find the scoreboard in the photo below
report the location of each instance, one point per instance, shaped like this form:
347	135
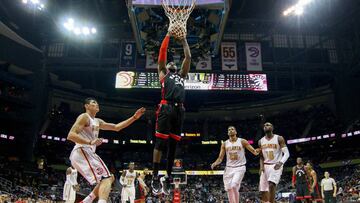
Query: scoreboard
195	81
158	2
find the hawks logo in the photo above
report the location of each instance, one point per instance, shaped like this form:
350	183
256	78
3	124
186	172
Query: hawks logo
254	51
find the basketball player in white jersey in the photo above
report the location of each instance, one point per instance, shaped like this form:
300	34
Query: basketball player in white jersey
84	133
235	169
70	186
127	180
274	154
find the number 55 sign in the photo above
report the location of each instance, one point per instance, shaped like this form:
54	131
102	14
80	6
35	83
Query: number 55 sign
128	55
229	56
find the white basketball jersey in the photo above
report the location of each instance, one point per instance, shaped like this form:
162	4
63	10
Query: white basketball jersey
72	177
271	150
91	132
130	178
235	154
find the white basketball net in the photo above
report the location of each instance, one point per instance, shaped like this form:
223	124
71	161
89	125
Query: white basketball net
178	12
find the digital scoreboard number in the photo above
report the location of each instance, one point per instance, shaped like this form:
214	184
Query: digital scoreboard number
195	81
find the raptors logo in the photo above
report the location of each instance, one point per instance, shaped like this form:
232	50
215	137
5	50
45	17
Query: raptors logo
258	82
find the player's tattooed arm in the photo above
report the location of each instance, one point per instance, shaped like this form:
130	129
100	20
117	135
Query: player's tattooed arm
281	141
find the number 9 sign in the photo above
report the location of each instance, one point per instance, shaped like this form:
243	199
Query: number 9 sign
128	55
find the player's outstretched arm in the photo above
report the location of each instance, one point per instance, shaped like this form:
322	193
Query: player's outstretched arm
248	146
78	126
163	56
185	67
117	127
220	158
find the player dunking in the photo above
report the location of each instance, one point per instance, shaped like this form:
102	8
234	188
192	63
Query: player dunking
235	169
274	154
127	181
170	114
70	186
84	133
300	181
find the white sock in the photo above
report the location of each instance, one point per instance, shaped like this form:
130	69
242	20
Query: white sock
102	201
90	198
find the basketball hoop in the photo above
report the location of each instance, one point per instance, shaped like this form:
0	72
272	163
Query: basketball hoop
178	12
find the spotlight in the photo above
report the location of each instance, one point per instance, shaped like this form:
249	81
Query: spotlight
34	4
67	26
80	30
70	20
85	31
77	31
304	2
299	10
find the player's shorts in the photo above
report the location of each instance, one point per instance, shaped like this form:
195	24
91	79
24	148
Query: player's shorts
269	174
302	191
169	120
139	194
69	194
315	195
233	176
89	165
128	193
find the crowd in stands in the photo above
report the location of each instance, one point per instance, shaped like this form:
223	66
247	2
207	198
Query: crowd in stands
24	183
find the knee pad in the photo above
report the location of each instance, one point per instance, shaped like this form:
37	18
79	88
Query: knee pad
160	144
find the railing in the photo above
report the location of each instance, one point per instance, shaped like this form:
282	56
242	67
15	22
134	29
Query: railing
5	184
